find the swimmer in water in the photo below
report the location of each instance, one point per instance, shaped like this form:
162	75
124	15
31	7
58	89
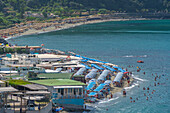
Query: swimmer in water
154	84
143	88
146	98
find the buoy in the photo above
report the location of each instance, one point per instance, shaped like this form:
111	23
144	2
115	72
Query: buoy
140	61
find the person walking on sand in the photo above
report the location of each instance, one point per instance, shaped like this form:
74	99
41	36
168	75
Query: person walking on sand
128	82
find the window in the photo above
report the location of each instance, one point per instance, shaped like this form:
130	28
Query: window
62	91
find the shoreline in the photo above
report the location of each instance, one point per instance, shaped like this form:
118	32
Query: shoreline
65	26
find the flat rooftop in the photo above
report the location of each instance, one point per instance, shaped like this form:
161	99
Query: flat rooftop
24	47
18	82
48	56
7	89
58	82
56	75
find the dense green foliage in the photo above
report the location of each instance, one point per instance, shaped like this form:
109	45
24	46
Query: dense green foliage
12	11
18	82
12	50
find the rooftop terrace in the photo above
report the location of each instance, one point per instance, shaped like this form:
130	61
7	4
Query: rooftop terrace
56	75
18	82
57	82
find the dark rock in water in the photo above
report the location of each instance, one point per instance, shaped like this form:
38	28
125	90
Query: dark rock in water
3	41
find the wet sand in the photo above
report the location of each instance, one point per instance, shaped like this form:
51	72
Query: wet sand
65	26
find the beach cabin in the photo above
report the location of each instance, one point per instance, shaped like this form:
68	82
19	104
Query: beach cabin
118	79
91	74
80	75
104	76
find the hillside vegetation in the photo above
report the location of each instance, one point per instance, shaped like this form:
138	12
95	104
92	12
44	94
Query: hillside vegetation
16	11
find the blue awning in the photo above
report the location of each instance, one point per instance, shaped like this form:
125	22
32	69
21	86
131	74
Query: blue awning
97	67
87	67
77	55
80	71
107	67
118	77
58	109
92	73
100	87
93	59
116	67
84	60
120	69
91	85
92	94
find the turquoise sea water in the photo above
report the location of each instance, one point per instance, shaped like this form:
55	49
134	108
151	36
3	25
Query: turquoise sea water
122	43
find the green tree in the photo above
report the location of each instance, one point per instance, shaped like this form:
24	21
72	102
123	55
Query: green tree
1	21
44	13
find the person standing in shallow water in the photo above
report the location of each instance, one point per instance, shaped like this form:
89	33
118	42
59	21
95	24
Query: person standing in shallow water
124	92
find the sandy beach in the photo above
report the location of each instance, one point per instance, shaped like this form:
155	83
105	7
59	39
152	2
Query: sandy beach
64	26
